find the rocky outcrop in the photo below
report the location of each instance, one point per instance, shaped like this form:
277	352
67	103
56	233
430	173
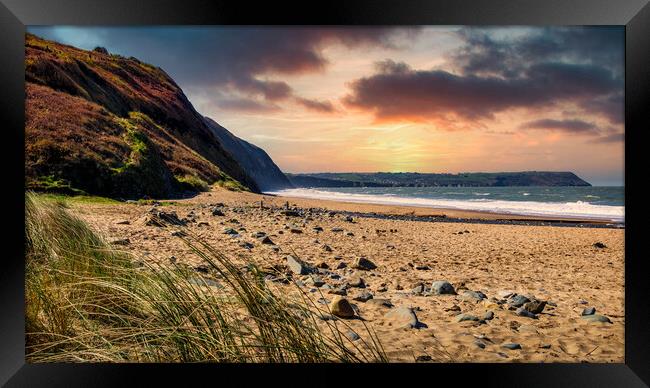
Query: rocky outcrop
255	161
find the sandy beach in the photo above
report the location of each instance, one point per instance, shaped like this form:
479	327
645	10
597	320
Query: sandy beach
498	262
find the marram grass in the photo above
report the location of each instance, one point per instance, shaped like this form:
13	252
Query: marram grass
87	302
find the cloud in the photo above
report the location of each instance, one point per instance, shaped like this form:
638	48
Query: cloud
613	138
500	51
570	126
315	105
499	69
236	59
398	92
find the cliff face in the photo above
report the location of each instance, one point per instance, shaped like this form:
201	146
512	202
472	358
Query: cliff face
109	125
255	161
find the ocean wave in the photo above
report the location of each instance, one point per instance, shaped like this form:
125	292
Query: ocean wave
578	209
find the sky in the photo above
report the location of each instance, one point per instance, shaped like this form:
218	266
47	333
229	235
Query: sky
398	99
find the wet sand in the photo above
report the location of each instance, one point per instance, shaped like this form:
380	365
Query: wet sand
559	265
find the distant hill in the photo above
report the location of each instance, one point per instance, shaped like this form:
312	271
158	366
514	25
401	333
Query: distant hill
410	179
104	124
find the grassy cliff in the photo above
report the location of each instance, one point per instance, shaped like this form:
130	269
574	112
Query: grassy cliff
103	124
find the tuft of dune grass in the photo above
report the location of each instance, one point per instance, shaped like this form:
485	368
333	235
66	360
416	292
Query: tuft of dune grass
88	302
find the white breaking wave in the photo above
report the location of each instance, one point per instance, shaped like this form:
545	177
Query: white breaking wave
579	209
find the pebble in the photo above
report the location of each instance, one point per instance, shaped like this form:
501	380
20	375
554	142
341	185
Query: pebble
123	222
363	264
466	317
442	287
266	240
423	358
357	282
352	335
178	233
205	282
488	316
341	307
121	241
511	346
327	248
535	306
315	281
418	289
589	311
322	265
474	295
518	300
338	291
600	245
596	318
480	344
247	245
404	317
522	312
296	266
363	297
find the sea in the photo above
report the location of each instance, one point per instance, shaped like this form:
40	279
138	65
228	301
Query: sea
586	203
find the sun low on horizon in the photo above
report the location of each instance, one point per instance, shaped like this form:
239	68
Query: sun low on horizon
398	99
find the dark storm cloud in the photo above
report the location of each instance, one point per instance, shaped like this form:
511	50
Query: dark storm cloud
571	126
500	69
486	53
611	106
232	58
397	91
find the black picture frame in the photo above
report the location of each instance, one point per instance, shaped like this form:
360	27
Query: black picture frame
16	14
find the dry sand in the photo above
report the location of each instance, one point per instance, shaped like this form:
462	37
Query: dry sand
556	264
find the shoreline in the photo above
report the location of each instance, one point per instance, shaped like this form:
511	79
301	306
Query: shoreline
441	214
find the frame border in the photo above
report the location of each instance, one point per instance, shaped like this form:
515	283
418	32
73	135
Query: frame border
634	14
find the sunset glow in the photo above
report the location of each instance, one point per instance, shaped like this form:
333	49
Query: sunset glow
428	99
